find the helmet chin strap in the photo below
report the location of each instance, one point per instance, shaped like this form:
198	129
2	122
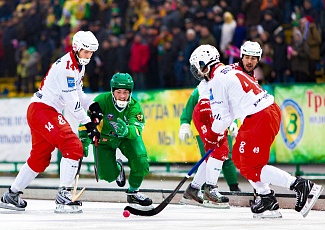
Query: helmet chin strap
211	68
120	105
205	74
206	78
83	61
208	67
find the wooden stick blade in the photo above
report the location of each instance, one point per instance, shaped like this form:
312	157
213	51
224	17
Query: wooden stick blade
77	196
75	185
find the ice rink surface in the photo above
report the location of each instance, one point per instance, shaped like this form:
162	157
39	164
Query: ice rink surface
40	214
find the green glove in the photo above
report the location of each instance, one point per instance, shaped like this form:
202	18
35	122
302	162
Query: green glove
122	129
83	136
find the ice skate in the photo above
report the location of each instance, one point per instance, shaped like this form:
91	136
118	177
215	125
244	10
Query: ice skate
266	206
213	199
192	196
120	181
251	202
303	189
64	203
12	200
139	201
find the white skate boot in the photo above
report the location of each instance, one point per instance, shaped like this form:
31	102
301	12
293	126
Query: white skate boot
64	203
11	200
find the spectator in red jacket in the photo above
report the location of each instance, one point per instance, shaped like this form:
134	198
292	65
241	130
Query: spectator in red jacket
139	58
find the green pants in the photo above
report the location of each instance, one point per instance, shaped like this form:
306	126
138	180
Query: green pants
133	149
228	167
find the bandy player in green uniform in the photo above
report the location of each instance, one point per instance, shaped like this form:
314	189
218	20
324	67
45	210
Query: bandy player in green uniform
121	127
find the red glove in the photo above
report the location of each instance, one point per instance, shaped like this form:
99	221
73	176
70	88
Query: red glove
213	140
205	111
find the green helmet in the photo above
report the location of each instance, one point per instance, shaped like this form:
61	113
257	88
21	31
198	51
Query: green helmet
122	81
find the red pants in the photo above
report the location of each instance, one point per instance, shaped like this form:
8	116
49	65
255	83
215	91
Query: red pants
251	152
219	153
50	130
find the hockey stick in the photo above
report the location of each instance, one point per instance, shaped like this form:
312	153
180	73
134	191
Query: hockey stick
76	196
165	202
96	160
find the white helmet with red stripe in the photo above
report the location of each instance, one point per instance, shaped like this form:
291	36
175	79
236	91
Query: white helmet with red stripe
202	59
84	40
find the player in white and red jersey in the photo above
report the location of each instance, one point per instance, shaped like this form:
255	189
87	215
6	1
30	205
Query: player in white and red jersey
209	170
233	94
61	89
206	177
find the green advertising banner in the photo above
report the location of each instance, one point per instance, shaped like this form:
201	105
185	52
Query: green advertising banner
302	134
300	139
162	110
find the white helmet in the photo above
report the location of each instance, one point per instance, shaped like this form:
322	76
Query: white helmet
251	49
84	40
203	56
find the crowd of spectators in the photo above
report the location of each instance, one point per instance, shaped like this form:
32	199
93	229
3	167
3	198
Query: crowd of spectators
153	39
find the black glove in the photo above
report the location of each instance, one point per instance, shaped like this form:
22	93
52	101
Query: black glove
96	114
92	132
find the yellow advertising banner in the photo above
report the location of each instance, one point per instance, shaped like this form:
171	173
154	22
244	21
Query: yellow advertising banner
162	110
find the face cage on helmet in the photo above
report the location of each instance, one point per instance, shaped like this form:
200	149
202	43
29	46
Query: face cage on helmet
195	72
198	74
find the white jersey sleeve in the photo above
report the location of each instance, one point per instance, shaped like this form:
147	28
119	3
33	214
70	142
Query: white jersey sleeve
62	88
203	90
233	94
